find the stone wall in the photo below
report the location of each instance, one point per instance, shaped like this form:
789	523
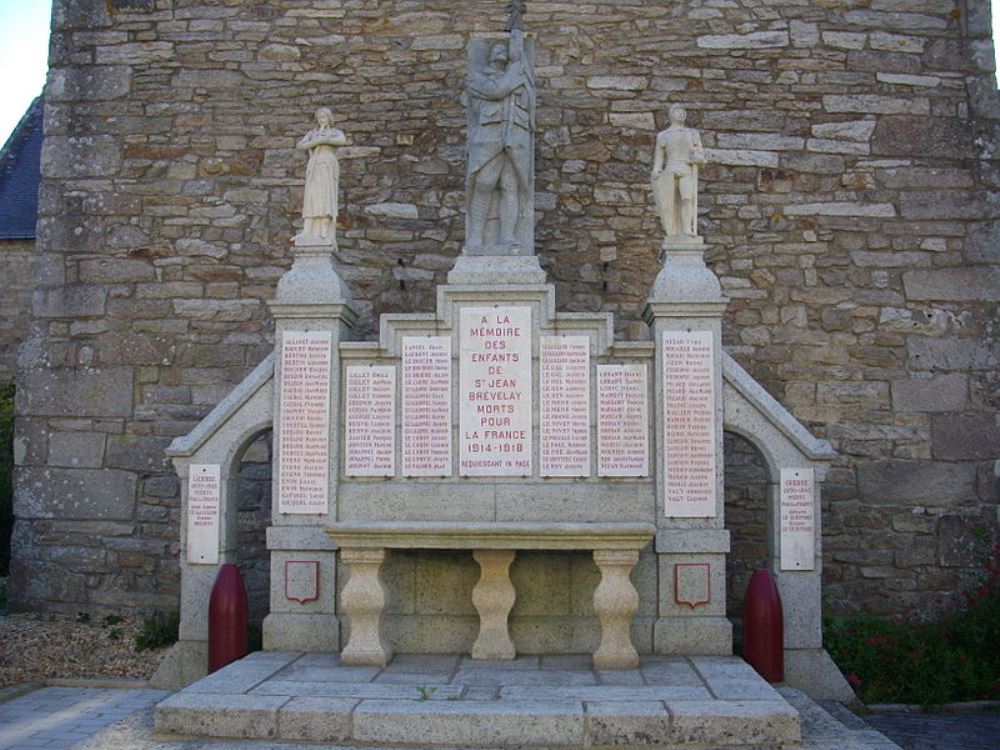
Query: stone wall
851	199
15	301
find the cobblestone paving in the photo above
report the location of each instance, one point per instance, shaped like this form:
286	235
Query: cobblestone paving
961	731
61	717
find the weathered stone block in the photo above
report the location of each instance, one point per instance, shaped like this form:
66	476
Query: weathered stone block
77	392
965	540
949	204
938	393
95	83
76	449
115	270
926	353
964	437
968	284
76	301
916	482
42	492
138	452
753	40
81	156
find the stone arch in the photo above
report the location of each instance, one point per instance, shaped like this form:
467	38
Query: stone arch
747	492
222	439
252	517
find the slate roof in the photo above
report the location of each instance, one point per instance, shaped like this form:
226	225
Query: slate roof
20	171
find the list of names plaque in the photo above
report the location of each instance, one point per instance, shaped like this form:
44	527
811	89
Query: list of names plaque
689	424
495	391
204	498
426	406
304	435
370	421
564	406
798	527
622	421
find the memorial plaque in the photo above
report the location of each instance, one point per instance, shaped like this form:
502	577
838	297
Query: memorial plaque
495	391
622	421
370	421
304	435
798	526
204	499
689	424
427	406
564	406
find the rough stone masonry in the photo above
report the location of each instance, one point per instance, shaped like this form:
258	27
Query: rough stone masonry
851	198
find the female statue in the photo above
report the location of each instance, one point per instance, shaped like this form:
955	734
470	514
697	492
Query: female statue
319	204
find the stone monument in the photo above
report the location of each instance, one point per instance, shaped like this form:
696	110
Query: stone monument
496	432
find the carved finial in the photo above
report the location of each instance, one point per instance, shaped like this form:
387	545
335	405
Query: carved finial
515	14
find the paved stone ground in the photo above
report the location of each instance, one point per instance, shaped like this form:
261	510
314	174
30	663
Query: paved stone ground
963	731
101	719
63	717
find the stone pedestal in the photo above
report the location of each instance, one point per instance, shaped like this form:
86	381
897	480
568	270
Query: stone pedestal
363	600
687	299
311	297
616	601
493	598
489	270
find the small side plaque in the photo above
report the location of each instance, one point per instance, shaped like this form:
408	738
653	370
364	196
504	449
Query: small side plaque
204	497
693	584
798	519
302	580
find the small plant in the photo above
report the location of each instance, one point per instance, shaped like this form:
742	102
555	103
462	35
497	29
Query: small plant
955	657
158	631
425	692
110	620
115	634
82	618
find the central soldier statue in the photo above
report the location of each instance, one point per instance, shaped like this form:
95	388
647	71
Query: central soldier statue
500	158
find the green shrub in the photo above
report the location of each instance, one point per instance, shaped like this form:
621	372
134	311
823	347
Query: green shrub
158	631
955	657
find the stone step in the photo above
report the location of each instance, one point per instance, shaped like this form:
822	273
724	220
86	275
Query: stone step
670	702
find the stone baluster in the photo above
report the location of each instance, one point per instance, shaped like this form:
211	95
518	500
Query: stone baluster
363	601
493	598
616	601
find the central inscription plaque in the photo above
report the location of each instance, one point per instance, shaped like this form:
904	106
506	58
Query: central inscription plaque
495	391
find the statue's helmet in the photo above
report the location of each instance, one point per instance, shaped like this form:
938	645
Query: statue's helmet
498	53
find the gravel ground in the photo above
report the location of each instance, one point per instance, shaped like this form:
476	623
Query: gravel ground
39	647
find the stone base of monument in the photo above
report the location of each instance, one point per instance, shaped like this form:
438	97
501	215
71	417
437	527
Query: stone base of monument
445	700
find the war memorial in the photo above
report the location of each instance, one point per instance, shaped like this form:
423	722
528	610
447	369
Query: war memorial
492	427
499	415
